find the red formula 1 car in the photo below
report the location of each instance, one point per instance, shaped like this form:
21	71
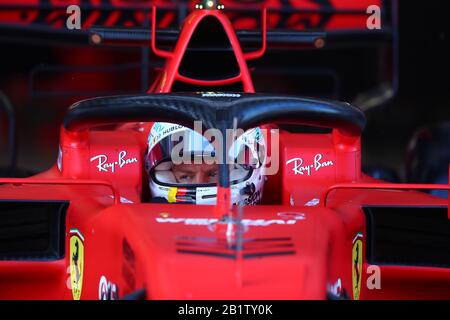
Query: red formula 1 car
88	228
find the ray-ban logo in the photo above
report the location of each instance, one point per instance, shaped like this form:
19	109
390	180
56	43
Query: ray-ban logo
300	167
104	165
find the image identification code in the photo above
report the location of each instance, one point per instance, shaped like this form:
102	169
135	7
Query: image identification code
226	309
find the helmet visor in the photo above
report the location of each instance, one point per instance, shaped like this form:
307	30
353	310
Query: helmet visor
183	157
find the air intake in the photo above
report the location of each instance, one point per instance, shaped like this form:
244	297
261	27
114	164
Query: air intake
408	236
32	230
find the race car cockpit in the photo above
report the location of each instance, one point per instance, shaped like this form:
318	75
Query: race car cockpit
186	159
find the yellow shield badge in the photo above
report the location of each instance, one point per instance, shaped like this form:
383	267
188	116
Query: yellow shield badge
357	265
76	262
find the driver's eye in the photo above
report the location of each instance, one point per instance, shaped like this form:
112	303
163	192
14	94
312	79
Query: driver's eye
185	177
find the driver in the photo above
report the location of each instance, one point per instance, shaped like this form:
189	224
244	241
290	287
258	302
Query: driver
182	166
195	173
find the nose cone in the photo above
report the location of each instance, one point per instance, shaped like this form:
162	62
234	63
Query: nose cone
281	257
280	276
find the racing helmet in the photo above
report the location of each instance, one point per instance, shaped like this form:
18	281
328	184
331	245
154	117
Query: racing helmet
171	146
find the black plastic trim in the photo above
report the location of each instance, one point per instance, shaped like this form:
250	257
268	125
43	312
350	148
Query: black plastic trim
249	111
32	230
408	236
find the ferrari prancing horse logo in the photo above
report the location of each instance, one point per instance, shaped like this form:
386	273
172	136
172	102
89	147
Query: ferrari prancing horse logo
357	266
76	262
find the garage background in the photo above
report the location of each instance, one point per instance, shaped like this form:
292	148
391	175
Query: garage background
41	82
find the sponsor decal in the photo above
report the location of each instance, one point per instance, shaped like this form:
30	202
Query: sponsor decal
208	221
312	203
76	262
301	167
220	94
206	195
122	199
107	290
336	288
104	165
292	215
59	160
357	250
161	130
164	128
292	201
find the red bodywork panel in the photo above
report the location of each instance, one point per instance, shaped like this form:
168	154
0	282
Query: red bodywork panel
295	246
315	250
